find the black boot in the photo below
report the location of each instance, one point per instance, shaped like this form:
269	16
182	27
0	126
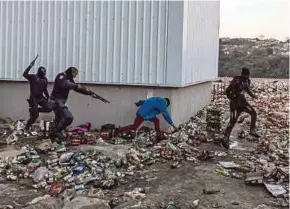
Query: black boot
226	142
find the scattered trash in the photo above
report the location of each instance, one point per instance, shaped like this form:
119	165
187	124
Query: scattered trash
38	199
228	164
51	167
194	204
175	165
254	178
210	191
275	190
6	207
56	188
235	203
136	194
172	205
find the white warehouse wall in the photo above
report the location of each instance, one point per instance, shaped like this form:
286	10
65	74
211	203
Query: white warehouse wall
121	42
162	43
200	48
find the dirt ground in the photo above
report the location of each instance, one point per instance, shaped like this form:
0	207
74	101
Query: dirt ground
182	185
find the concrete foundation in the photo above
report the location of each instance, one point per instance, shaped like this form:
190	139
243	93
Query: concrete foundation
185	102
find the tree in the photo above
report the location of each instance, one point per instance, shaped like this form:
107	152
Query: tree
262	61
270	51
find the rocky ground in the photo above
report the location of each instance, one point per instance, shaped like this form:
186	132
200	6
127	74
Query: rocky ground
180	176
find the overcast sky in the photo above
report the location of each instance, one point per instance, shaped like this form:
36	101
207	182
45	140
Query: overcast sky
252	18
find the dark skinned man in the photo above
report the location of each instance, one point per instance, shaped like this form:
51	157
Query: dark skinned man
38	88
238	104
64	82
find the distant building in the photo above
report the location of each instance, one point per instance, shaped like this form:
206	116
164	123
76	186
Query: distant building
125	51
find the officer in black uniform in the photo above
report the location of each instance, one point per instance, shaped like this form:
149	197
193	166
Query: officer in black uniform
238	104
64	82
38	87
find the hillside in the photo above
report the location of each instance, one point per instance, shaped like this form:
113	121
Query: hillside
267	58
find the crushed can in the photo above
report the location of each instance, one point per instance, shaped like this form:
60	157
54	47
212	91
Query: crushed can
88	139
51	166
105	134
79	169
48	162
79	187
56	188
12	177
75	140
50	180
66	178
172	205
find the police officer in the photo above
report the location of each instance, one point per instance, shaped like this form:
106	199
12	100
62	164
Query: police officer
38	87
238	104
64	82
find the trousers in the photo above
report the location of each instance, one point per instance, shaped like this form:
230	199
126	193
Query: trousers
137	122
63	116
34	110
237	106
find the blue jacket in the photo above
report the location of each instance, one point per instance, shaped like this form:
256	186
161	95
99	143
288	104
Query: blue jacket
153	106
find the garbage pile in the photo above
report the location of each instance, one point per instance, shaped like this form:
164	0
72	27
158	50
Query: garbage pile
56	168
213	119
268	164
10	130
57	171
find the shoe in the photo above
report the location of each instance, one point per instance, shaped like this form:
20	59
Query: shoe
160	138
226	142
26	132
56	135
254	133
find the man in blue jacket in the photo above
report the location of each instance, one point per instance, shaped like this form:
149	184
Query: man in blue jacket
148	111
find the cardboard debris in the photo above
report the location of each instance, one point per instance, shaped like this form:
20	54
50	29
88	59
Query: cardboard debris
275	190
254	178
228	164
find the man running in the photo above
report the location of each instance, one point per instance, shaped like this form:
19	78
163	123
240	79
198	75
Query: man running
238	104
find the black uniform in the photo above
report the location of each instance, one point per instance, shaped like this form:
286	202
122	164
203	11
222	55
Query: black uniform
38	87
238	103
62	85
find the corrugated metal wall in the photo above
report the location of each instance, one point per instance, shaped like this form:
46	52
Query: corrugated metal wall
200	41
110	42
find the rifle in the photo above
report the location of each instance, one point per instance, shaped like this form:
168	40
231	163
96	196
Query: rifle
95	96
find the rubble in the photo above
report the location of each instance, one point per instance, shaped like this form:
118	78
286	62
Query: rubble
194	204
96	166
86	202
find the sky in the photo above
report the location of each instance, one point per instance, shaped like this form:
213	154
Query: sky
252	18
